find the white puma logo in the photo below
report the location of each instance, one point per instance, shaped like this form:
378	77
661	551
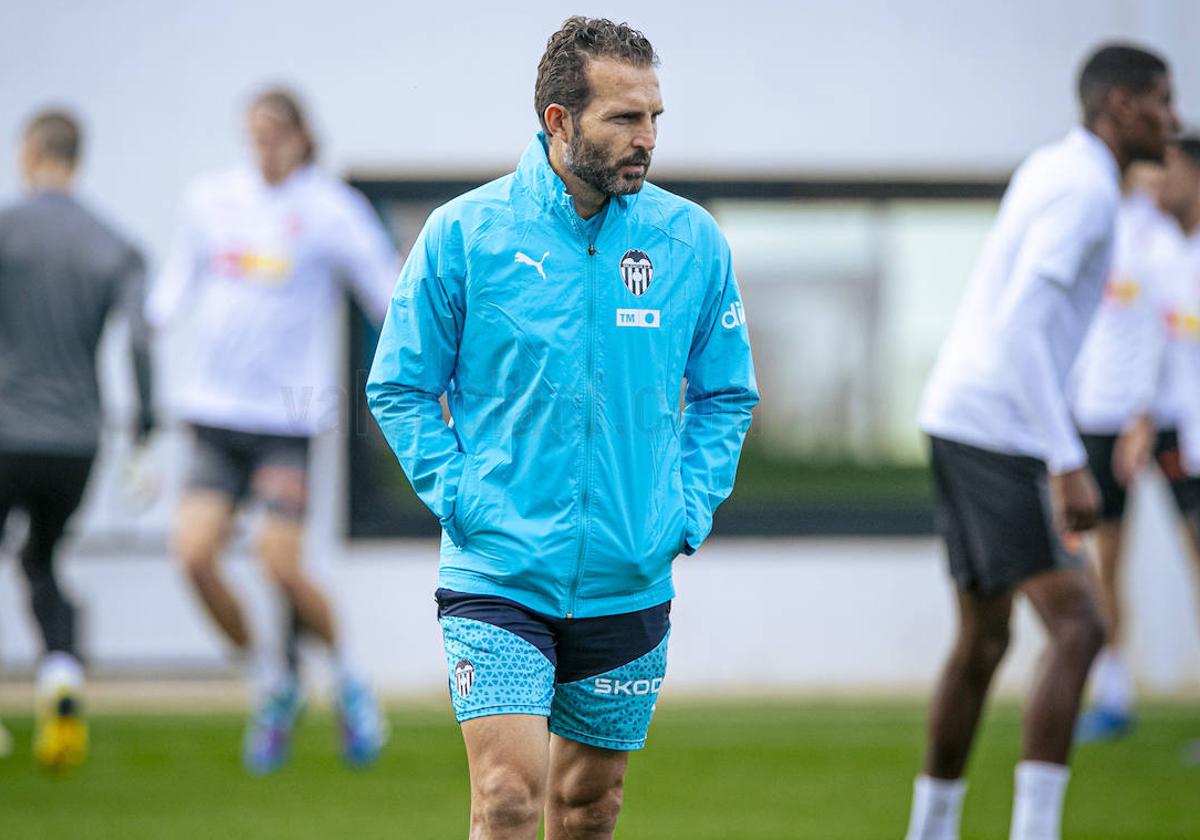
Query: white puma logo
521	258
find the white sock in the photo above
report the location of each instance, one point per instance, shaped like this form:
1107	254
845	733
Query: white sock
344	668
936	808
1112	688
268	671
59	671
1038	803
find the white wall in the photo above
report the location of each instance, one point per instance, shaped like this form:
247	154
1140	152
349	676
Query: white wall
857	86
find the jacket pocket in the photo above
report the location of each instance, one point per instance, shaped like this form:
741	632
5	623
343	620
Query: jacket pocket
465	501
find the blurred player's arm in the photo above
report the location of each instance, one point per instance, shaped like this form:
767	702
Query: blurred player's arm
132	304
1135	443
1183	350
368	261
1133	447
1067	233
177	277
720	395
414	362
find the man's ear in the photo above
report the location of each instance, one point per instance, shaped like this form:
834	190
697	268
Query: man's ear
1120	104
558	122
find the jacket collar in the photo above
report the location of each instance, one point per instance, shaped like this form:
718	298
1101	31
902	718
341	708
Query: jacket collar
543	184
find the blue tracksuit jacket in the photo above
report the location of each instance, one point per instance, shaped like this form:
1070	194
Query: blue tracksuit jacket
569	479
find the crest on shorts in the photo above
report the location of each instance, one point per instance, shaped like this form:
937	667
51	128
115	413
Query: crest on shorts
637	271
464	677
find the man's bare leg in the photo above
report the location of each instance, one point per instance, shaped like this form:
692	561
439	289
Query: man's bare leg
1112	686
280	549
955	711
1110	543
1065	602
204	521
508	758
962	690
586	788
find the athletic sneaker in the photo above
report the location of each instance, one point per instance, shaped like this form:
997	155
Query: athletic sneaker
363	727
6	741
269	730
1100	724
62	736
1191	754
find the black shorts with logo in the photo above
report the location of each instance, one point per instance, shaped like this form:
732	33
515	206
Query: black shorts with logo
1185	488
993	511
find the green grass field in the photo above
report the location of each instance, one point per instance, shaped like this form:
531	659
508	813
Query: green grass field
713	771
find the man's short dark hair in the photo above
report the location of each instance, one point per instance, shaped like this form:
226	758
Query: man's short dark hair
562	72
1116	66
56	134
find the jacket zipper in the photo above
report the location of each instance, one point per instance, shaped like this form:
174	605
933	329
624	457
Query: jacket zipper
589	403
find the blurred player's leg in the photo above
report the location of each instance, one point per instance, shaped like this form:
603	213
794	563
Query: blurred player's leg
283	488
586	790
508	759
959	698
1064	601
1111	713
53	486
1191	754
6	743
955	711
204	524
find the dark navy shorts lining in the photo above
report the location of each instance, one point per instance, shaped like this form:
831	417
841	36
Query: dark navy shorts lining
578	648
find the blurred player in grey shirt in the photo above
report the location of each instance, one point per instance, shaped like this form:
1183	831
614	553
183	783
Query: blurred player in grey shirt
63	272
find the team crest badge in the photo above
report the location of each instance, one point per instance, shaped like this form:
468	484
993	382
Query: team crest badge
637	271
464	677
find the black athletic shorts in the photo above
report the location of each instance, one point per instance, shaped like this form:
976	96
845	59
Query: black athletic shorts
993	511
47	487
270	468
1185	488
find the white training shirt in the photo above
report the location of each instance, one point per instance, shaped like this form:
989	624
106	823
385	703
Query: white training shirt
1000	380
258	271
1118	372
1178	394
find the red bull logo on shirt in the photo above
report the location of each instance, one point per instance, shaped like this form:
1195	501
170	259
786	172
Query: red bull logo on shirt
1123	291
1184	326
255	267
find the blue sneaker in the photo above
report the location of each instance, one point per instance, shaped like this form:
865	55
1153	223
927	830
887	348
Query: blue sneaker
363	727
269	731
1099	724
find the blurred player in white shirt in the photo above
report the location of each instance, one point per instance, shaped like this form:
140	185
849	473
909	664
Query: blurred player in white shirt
1138	392
262	257
1013	488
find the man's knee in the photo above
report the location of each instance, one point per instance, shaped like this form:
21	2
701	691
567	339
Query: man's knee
983	646
1080	635
592	811
279	552
197	553
507	798
204	521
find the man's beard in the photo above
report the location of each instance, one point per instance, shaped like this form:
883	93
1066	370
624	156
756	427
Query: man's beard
589	163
